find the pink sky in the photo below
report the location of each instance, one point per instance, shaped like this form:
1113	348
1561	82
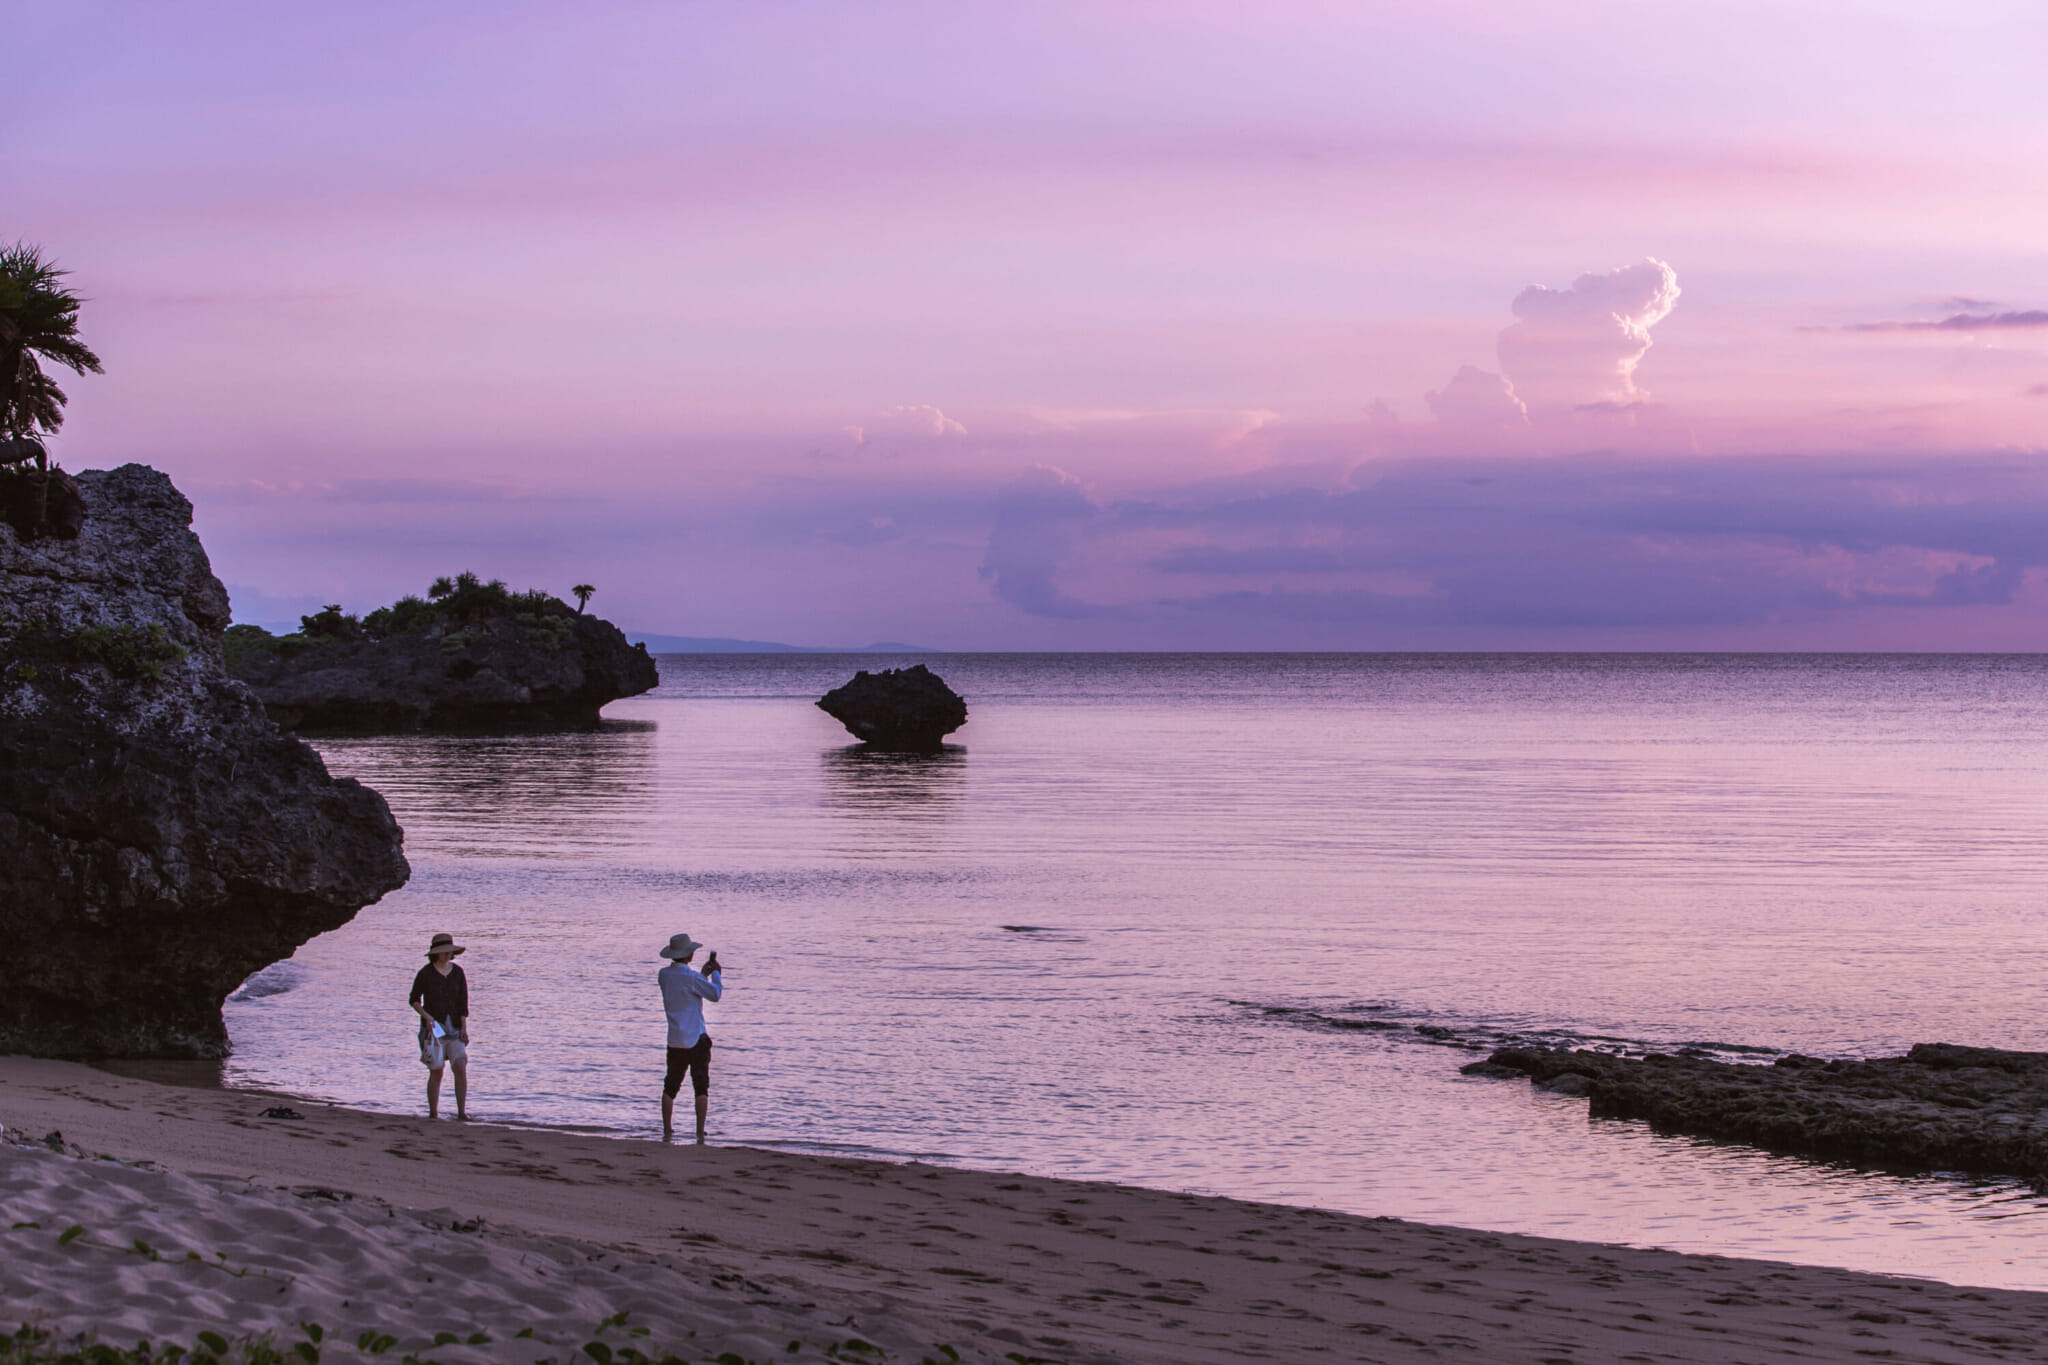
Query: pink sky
1092	326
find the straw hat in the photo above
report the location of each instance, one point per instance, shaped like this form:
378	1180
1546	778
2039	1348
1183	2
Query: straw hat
680	947
445	943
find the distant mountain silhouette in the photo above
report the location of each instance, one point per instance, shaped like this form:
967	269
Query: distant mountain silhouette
702	644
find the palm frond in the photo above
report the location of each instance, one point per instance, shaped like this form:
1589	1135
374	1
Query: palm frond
38	321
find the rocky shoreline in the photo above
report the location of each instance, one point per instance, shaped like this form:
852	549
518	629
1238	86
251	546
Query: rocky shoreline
1940	1107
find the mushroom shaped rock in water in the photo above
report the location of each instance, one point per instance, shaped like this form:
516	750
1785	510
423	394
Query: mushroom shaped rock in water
898	708
160	840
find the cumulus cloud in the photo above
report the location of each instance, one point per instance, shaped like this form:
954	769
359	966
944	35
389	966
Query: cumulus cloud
1039	516
2013	320
1579	347
1477	398
917	421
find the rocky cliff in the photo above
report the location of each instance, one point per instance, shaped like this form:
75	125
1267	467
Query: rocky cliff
473	657
159	838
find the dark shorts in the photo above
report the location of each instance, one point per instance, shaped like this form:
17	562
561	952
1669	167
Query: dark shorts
695	1060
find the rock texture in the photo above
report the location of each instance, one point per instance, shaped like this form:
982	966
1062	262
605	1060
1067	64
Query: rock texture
500	668
898	708
1939	1108
159	838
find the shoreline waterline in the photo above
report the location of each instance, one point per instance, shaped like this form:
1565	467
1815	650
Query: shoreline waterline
1058	1270
1235	871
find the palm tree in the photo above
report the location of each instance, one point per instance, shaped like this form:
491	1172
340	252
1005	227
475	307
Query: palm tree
582	593
38	322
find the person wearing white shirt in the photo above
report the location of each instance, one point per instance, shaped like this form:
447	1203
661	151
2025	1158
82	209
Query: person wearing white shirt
683	992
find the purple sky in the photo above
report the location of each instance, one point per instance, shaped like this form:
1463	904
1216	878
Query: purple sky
1290	325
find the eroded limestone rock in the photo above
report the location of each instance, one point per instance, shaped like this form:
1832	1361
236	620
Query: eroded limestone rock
898	708
160	839
503	665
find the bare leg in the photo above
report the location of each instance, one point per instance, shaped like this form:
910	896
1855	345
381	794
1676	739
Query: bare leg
461	1089
668	1117
434	1093
703	1104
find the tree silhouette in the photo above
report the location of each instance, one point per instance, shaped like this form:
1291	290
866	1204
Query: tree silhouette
38	322
582	592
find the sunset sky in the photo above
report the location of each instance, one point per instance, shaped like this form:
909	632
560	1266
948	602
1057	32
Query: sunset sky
1107	325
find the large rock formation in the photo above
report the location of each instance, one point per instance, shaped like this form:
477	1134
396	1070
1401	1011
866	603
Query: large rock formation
899	708
476	659
1938	1108
159	838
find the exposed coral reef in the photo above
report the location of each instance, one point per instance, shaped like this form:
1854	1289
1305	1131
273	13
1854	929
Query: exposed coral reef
1938	1108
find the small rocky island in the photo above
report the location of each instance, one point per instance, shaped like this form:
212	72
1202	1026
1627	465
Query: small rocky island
908	709
469	657
1938	1108
160	840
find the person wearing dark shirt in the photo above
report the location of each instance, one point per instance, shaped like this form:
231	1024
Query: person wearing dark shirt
440	997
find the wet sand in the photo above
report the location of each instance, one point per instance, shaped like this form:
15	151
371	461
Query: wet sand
367	1221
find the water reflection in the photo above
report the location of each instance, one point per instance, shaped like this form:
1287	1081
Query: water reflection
545	796
1838	857
875	783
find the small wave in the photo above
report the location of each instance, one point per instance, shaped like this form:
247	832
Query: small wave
1025	928
275	979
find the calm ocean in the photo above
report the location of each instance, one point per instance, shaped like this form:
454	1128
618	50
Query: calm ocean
1178	921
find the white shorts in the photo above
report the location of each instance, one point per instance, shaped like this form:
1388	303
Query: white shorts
435	1052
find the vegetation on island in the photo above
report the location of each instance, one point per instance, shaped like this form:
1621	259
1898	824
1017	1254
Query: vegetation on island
454	608
38	326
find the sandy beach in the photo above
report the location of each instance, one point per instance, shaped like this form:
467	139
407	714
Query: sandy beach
198	1212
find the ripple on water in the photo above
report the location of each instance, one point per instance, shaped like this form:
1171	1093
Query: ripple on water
1021	953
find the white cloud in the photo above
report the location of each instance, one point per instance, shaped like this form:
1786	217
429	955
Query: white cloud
1477	398
1579	347
910	420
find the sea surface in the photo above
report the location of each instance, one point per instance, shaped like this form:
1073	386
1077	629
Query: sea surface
1181	920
